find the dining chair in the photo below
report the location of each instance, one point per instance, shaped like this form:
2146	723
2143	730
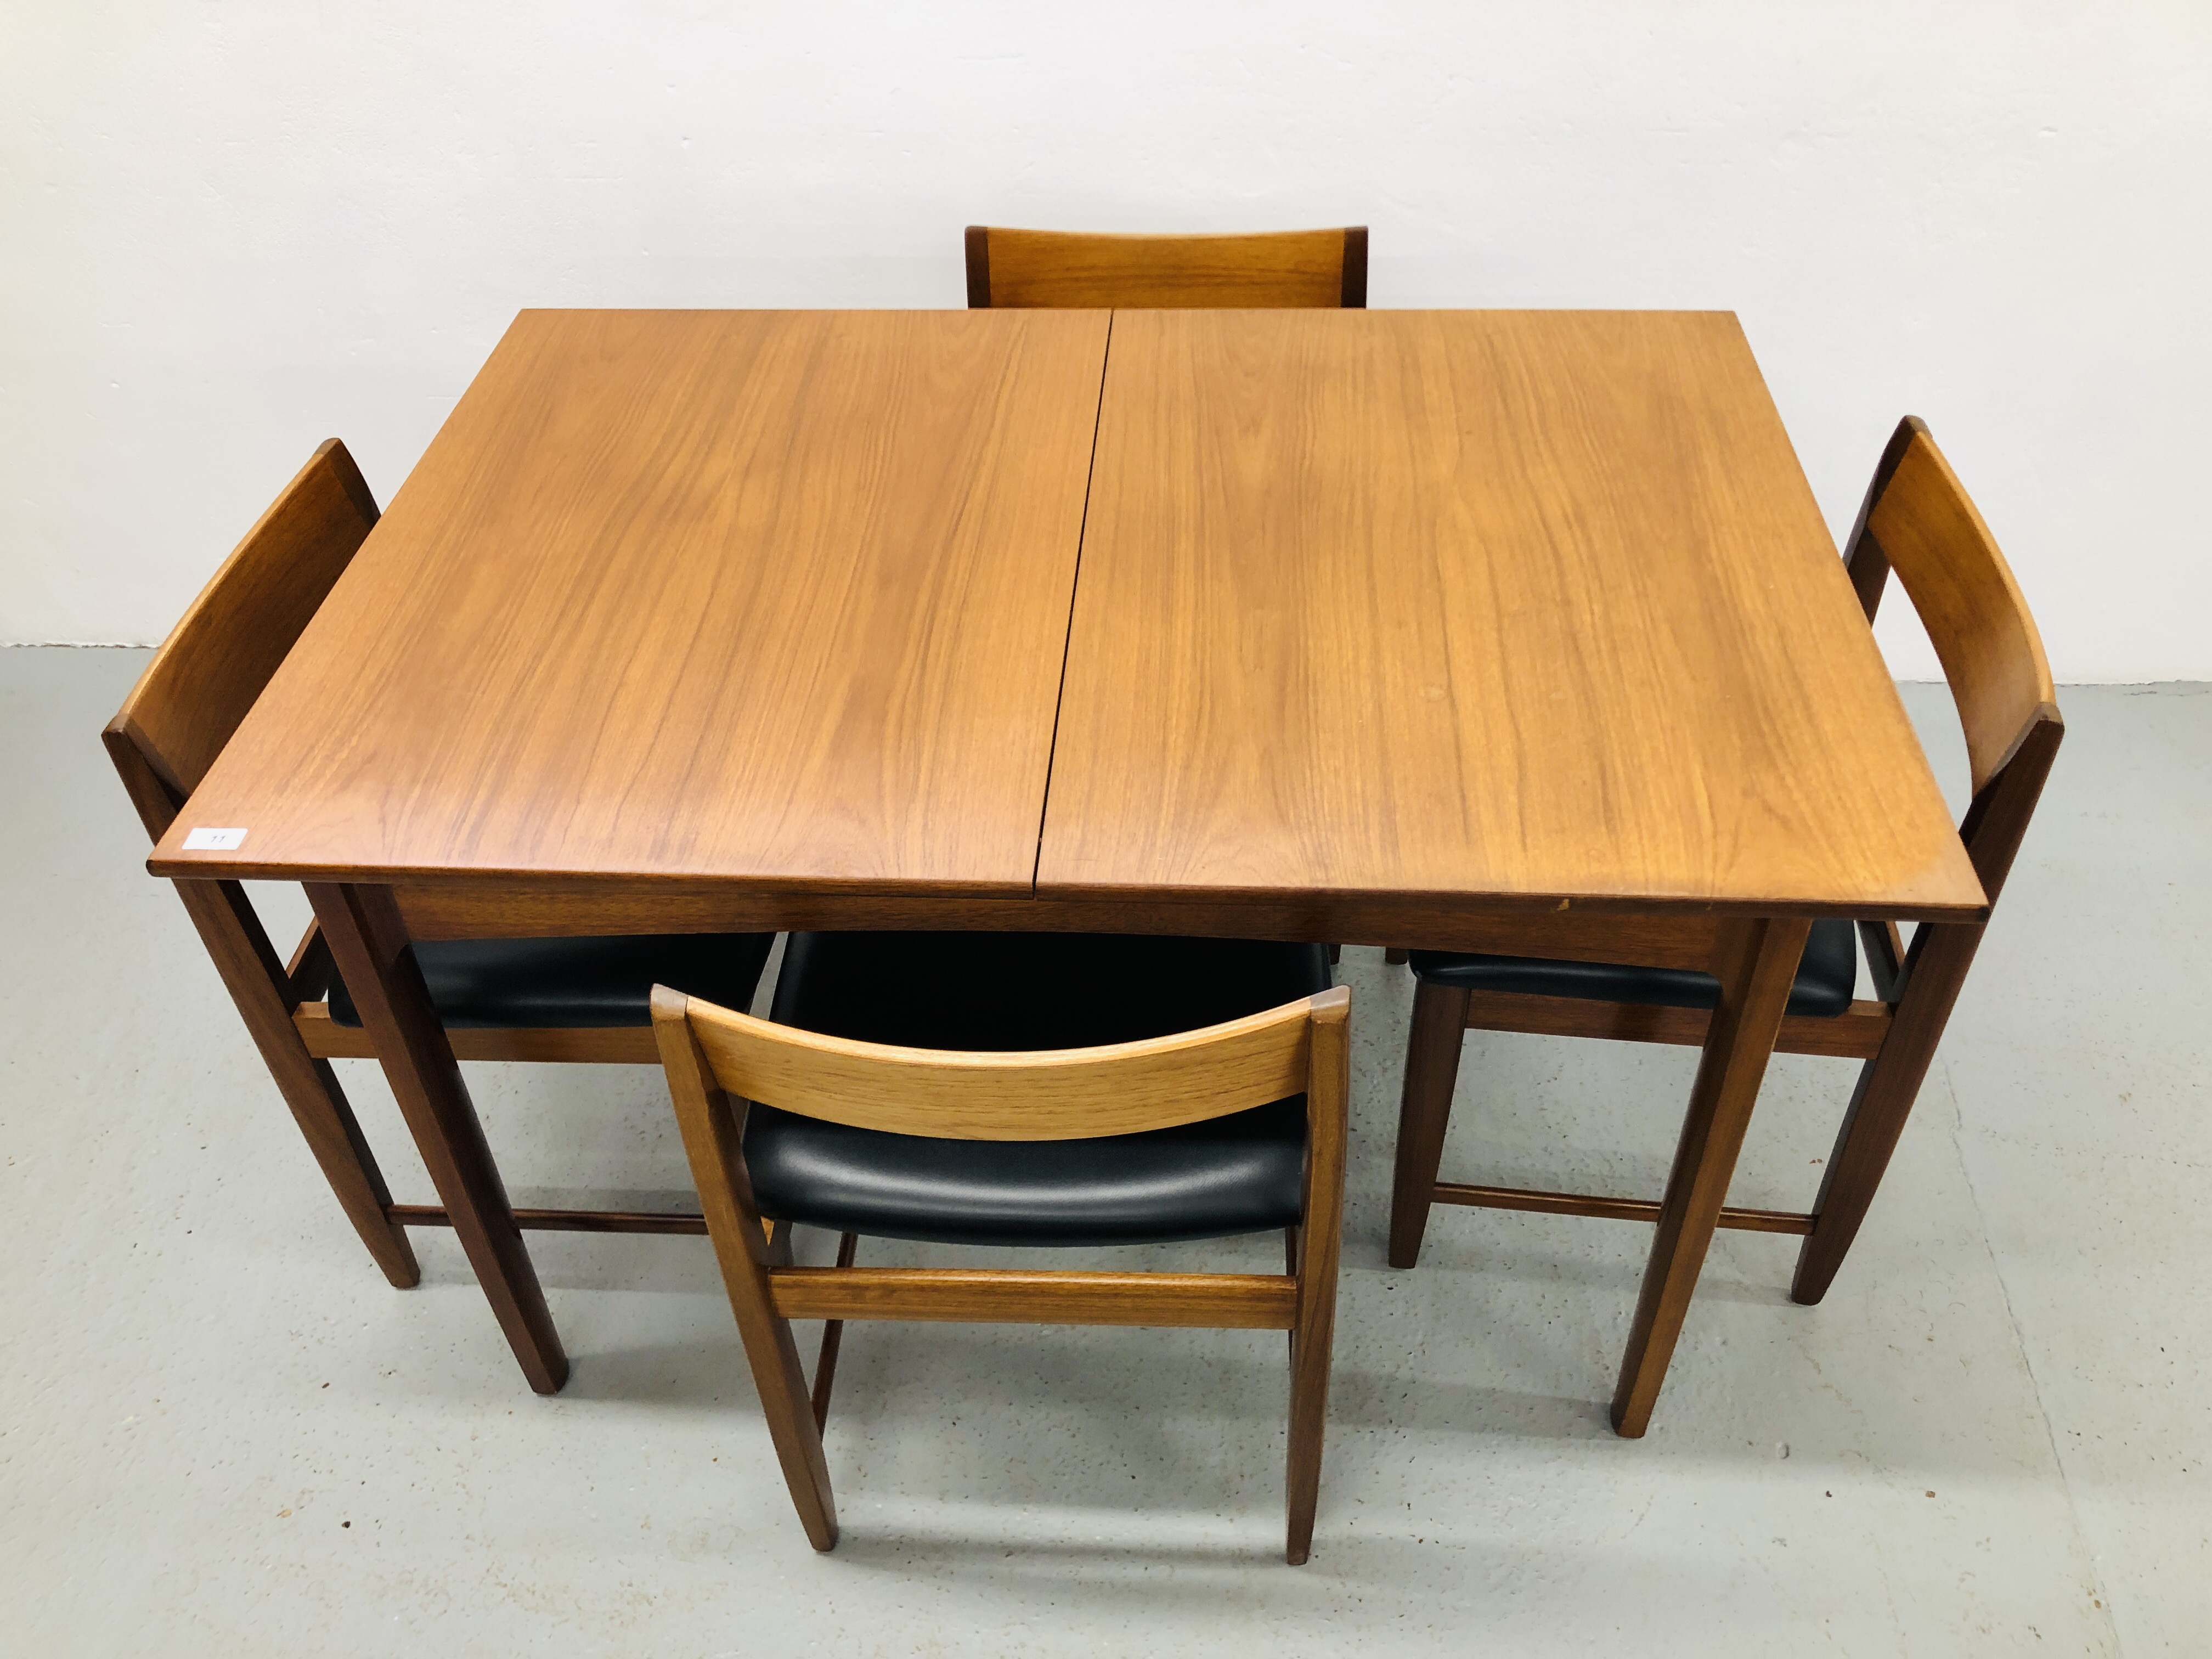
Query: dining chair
1315	269
1918	521
1035	1091
583	999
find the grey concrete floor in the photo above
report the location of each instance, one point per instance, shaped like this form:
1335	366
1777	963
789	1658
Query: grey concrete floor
220	1432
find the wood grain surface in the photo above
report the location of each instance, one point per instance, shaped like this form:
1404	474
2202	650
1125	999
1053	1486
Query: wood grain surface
692	617
602	1045
1478	606
369	946
230	641
1316	1246
772	598
512	907
1023	268
713	1128
1532	1202
1929	532
1031	1296
1062	1094
1757	961
1855	1034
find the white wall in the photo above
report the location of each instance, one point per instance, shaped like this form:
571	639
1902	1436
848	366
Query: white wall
228	230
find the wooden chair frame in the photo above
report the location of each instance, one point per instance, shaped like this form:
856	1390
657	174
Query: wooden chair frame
1314	268
215	663
1918	519
718	1061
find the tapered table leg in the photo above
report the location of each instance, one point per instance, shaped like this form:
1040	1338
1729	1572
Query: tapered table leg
1756	964
1425	1113
369	943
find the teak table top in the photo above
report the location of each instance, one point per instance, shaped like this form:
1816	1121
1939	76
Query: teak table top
1476	609
769	596
1529	605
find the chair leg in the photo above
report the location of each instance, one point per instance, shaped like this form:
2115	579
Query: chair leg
1395	957
1423	1114
774	1359
1320	1238
1887	1086
1336	955
833	1334
243	955
1311	1341
714	1142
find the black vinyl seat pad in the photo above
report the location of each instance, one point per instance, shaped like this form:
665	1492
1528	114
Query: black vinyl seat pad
571	983
1826	974
1227	1175
1239	1174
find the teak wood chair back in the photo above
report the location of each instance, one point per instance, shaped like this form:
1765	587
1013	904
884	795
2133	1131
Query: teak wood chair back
185	707
719	1063
201	682
1272	270
1917	521
226	647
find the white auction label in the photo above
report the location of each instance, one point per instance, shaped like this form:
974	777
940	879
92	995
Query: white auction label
213	840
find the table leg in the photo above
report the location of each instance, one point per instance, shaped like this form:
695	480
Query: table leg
1756	963
1425	1113
369	941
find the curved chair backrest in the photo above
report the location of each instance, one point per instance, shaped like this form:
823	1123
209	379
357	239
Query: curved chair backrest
229	644
1274	270
1052	1095
1919	521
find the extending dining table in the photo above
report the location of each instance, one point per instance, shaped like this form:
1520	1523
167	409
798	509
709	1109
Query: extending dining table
1456	629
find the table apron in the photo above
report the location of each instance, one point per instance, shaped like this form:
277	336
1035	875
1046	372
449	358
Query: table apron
501	910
